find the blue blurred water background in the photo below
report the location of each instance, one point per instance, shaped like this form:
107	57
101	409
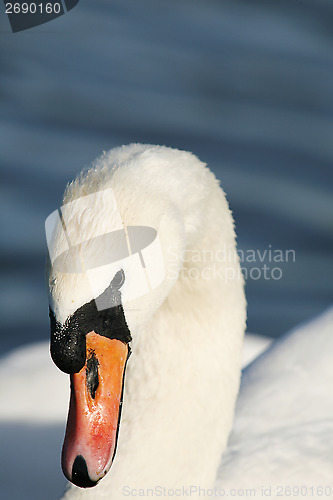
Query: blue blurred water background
247	85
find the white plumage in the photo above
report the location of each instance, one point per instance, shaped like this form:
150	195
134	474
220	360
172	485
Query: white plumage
183	376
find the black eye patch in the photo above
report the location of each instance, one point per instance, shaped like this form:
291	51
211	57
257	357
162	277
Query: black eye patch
68	341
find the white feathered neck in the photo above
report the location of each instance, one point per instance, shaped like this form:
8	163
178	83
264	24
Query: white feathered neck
183	376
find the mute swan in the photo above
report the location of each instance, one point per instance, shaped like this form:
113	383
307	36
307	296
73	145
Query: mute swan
172	294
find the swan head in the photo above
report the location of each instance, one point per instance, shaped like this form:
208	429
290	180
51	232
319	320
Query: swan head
116	251
108	273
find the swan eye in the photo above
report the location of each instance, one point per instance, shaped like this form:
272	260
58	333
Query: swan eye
118	280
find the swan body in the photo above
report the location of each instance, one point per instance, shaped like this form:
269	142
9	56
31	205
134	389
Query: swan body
183	375
282	434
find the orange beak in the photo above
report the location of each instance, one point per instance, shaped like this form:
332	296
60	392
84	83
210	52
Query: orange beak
94	411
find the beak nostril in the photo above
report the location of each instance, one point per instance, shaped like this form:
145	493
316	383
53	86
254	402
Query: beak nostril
92	379
80	476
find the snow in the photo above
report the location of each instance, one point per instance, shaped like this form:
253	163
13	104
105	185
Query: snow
282	434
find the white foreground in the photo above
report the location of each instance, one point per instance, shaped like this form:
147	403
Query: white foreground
281	439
